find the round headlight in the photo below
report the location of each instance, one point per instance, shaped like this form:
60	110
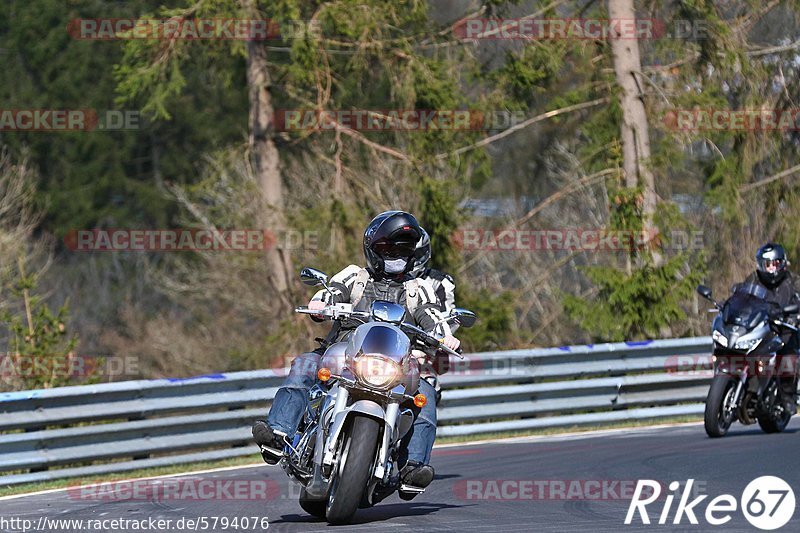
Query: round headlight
377	371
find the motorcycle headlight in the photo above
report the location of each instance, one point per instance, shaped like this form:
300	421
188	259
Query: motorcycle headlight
376	371
747	345
719	338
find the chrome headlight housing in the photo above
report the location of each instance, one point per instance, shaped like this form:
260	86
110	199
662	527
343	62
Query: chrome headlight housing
719	338
376	371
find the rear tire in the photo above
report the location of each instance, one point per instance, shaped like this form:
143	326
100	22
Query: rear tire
348	484
716	421
770	424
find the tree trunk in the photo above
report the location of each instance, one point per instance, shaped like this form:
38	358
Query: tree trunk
264	156
634	129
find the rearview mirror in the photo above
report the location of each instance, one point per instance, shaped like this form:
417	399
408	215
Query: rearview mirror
465	317
704	291
313	277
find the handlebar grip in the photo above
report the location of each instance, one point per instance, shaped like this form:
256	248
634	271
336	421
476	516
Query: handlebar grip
315	313
451	352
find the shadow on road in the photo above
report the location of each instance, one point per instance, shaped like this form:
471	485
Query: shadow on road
749	432
378	513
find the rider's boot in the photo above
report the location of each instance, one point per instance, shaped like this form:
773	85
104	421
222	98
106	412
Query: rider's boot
415	475
271	442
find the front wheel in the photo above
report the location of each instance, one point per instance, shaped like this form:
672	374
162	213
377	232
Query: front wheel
352	474
720	406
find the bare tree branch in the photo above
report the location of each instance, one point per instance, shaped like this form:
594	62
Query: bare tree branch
780	175
524	124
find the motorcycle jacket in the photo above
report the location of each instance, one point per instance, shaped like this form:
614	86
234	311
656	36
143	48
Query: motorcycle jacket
784	293
444	287
355	285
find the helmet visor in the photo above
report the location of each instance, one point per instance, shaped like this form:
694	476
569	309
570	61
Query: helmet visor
395	250
772	266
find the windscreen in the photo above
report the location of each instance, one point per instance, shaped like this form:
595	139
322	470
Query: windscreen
385	341
746	306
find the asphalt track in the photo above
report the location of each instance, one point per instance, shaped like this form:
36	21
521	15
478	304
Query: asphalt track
467	494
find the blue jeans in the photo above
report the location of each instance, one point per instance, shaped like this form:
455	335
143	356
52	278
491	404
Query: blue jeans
418	442
291	401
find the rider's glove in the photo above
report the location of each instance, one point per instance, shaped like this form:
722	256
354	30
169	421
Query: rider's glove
316	305
451	342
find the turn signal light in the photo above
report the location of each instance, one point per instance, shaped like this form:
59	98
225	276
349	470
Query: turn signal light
420	400
324	374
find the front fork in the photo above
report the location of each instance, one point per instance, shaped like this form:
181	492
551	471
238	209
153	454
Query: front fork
737	396
333	420
741	377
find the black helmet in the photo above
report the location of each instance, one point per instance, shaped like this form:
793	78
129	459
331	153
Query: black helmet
422	256
389	243
771	263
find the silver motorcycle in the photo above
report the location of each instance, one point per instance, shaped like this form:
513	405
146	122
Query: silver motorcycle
346	449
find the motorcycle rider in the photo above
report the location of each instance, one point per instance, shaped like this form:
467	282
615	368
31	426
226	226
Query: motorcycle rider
444	288
443	283
772	274
389	244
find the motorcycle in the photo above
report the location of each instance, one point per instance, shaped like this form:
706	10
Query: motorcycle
746	336
346	449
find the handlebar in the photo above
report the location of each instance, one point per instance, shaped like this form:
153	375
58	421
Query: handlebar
345	311
334	312
431	340
786	325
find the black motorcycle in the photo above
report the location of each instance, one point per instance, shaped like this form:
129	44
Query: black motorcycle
747	335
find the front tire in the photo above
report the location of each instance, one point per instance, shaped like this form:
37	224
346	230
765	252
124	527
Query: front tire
717	419
350	479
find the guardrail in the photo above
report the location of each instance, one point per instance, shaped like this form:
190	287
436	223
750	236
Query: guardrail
117	427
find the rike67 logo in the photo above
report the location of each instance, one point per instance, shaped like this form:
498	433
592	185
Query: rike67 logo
767	503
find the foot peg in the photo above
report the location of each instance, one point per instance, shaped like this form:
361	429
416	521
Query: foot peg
409	492
414	478
270	442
